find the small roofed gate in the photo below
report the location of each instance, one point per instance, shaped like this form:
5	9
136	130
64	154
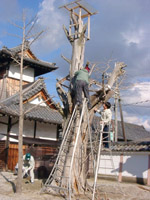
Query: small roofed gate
44	156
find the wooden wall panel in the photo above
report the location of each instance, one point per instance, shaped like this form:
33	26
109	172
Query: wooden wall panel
13	155
37	152
2	155
13	86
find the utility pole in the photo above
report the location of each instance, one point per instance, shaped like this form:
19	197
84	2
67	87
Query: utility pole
116	112
122	121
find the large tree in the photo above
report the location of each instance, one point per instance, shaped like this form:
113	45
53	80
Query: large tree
75	164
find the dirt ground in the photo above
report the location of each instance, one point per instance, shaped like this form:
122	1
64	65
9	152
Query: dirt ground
108	190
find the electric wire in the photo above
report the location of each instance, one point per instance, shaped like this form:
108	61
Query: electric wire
136	103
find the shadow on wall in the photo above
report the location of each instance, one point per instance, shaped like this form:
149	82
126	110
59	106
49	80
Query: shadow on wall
135	166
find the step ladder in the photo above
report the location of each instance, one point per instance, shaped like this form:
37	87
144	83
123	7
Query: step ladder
56	178
102	141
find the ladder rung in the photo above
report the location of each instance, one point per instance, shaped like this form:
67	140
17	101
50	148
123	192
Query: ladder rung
63	161
65	150
57	168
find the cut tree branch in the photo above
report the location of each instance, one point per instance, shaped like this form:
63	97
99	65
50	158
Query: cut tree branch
66	59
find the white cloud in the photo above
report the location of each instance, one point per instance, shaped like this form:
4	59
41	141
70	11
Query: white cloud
136	119
51	19
136	104
131	118
138	93
146	124
133	36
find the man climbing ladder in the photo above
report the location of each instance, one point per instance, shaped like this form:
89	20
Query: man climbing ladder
81	79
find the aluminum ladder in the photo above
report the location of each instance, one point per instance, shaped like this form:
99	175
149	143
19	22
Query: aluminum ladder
56	176
100	148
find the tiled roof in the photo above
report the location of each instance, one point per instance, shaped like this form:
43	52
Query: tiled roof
43	114
133	132
10	106
18	48
130	147
41	67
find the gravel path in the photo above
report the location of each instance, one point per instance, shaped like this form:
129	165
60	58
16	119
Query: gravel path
108	190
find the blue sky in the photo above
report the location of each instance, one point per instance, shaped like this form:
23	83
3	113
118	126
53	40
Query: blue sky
120	31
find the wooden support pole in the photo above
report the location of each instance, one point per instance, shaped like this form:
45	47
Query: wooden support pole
122	121
148	173
35	126
116	116
88	36
7	140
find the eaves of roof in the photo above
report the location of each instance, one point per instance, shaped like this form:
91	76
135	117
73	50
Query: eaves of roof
10	106
41	67
39	141
130	147
39	113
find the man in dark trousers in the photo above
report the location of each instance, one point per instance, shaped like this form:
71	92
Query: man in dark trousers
81	85
105	121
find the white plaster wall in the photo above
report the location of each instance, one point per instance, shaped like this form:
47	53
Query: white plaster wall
106	165
28	130
38	101
14	72
135	166
46	131
14	128
3	127
43	130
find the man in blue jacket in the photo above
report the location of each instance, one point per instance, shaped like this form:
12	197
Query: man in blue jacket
81	85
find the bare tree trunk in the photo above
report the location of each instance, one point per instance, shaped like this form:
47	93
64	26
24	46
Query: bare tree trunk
77	56
25	37
21	119
77	173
